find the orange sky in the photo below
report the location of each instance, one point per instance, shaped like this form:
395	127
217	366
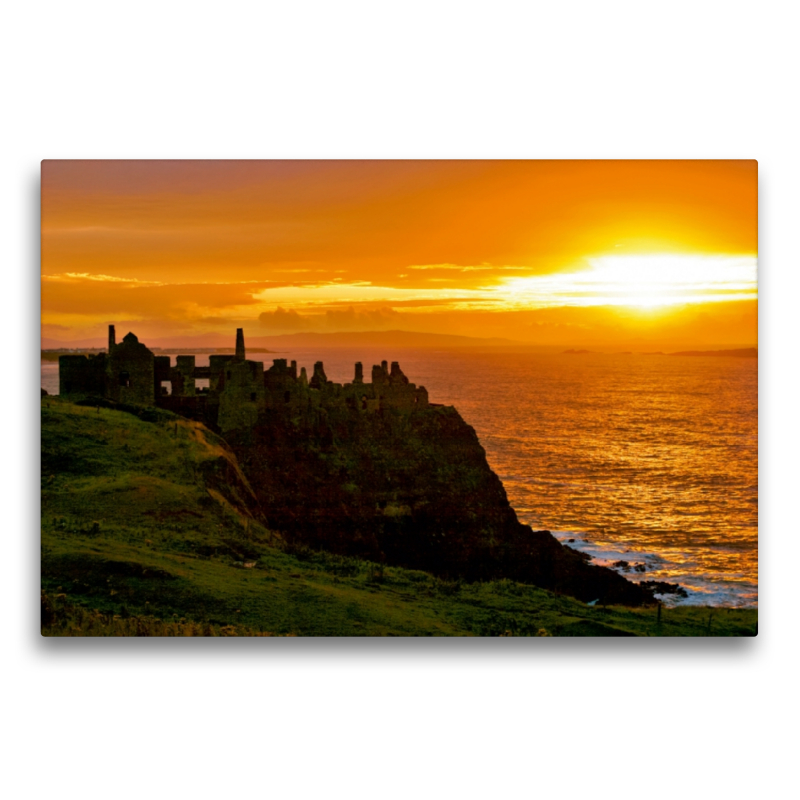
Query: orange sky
545	252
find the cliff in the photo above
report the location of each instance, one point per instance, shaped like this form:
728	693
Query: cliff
410	488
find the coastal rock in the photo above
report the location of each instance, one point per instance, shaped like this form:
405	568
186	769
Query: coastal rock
662	587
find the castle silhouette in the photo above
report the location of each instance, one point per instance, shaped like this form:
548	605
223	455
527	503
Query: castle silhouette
239	392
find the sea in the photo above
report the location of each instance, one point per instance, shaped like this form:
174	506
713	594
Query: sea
646	463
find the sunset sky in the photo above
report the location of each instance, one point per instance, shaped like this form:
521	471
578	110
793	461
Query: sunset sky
542	252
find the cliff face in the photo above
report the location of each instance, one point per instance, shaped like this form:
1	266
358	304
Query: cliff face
411	489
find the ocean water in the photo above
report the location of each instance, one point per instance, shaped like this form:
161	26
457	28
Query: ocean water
647	463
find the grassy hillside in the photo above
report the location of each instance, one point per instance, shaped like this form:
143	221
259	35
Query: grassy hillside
149	527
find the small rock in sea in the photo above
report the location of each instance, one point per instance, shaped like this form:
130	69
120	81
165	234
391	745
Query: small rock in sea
640	568
661	587
570	540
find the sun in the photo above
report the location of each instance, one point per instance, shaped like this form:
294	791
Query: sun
644	281
654	301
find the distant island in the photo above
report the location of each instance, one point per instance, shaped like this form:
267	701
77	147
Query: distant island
391	338
744	352
191	351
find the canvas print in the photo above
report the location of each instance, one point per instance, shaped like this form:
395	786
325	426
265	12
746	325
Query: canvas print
399	398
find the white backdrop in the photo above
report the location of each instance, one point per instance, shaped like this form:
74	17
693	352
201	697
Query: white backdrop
502	718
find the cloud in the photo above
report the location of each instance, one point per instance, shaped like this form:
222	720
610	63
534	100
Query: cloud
350	319
106	296
87	276
282	320
478	268
334	319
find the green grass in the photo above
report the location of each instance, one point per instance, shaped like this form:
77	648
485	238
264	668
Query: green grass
149	528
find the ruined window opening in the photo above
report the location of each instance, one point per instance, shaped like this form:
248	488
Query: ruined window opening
201	384
287	396
253	397
68	387
124	379
229	374
364	402
166	387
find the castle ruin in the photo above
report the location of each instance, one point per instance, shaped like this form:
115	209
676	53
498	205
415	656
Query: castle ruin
240	392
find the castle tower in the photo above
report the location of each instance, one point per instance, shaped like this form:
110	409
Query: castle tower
318	379
112	338
397	375
359	377
240	352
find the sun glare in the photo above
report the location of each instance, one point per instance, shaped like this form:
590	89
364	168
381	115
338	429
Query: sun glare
644	281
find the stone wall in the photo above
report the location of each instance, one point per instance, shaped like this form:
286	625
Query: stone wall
82	375
161	376
241	395
182	377
130	373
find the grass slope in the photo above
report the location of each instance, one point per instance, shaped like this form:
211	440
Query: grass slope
150	528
